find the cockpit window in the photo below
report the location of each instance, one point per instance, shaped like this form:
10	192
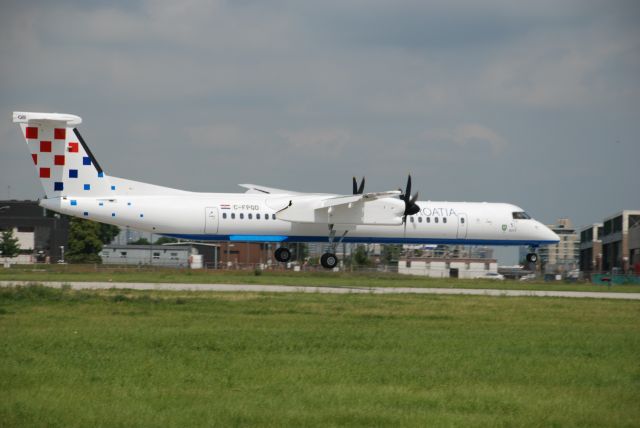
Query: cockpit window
521	215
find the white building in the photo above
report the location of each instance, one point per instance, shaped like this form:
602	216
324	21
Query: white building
447	267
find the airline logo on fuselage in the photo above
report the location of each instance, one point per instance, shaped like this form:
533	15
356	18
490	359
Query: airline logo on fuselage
439	212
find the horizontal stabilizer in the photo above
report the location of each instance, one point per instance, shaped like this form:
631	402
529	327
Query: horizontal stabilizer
27	117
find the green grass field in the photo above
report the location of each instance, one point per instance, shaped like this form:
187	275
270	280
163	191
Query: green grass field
109	358
334	279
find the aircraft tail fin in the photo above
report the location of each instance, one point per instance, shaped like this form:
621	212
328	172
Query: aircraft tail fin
65	165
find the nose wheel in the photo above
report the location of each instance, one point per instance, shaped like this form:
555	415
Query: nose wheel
532	257
283	255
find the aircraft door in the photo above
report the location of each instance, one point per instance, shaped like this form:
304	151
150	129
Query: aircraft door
211	220
463	224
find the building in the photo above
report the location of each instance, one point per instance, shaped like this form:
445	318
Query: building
634	247
436	267
210	255
42	234
155	255
591	248
616	247
563	256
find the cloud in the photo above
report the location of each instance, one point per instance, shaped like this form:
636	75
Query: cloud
468	134
318	142
313	92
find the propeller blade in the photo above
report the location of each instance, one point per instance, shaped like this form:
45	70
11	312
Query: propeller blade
407	191
361	188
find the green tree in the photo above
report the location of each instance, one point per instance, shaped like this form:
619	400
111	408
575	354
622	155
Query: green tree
390	253
140	241
85	241
360	256
9	245
165	240
107	232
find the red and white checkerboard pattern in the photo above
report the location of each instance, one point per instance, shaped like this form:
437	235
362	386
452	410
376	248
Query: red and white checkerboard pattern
64	167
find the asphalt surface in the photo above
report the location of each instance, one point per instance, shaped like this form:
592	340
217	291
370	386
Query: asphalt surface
326	290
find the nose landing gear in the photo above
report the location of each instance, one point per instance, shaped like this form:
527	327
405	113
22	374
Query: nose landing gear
532	257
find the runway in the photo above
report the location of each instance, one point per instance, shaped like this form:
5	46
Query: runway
254	288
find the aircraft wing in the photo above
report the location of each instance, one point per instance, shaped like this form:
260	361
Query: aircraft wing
254	188
381	208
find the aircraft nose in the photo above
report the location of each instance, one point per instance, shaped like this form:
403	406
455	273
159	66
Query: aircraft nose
549	234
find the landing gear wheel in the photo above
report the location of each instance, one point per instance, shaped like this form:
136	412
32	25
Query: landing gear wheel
532	257
282	255
328	260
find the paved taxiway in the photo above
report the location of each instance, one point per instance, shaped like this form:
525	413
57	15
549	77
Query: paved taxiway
328	290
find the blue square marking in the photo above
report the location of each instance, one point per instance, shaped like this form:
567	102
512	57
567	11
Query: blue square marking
113	187
58	186
141	215
86	160
87	187
100	174
73	173
113	214
86	214
74	202
101	204
129	203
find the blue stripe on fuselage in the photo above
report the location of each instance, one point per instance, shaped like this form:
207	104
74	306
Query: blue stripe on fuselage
351	239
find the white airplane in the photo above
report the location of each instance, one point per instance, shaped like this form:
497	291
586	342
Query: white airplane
75	184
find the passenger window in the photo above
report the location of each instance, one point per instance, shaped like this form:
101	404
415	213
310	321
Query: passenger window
435	219
462	220
258	216
444	219
419	219
266	216
428	219
273	216
233	215
250	216
412	220
241	216
224	215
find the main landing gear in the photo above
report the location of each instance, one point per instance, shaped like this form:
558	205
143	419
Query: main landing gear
329	260
282	255
532	257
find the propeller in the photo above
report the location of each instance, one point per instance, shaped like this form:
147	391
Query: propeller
358	190
410	206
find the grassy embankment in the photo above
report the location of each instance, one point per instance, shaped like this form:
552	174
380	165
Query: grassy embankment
70	273
205	359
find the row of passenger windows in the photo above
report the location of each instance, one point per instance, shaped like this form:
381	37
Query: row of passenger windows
250	216
435	219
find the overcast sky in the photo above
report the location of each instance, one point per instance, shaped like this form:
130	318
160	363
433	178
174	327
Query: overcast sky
535	103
